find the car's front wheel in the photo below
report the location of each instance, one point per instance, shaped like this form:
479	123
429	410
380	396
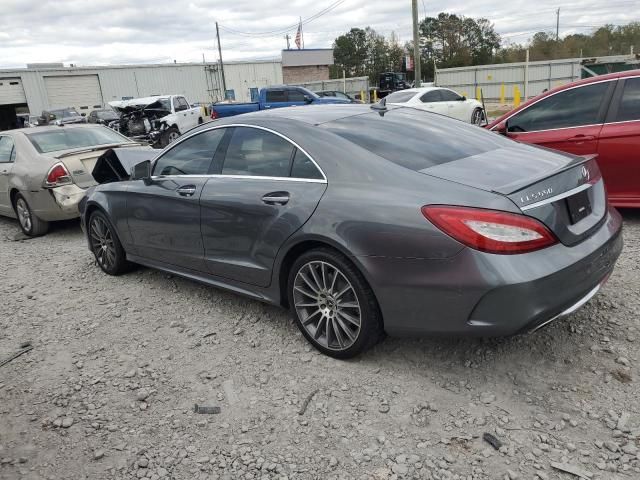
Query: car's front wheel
477	116
30	223
332	304
106	246
170	135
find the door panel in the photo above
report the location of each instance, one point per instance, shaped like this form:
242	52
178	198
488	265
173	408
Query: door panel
246	220
578	140
619	161
7	156
164	220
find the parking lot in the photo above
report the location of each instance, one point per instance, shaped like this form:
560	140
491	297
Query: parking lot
108	390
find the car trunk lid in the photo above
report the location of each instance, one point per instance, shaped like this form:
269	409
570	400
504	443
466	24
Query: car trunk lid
565	192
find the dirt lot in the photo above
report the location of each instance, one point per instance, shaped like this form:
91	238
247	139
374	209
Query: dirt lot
108	390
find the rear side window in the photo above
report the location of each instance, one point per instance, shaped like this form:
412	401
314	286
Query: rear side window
6	149
414	139
190	157
303	167
630	103
570	108
256	152
432	96
400	97
276	96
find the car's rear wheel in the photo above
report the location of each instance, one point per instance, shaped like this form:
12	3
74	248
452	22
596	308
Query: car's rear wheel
477	116
332	304
30	224
106	246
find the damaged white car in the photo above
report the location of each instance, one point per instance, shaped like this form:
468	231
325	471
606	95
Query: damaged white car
158	120
45	171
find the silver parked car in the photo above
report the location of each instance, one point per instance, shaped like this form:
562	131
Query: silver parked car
366	220
45	171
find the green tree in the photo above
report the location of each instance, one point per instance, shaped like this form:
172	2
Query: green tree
350	53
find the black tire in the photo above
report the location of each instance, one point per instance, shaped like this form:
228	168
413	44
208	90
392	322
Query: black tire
106	246
168	136
200	121
336	310
29	222
477	116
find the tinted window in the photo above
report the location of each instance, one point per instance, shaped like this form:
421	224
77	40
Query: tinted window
6	149
68	138
295	96
276	96
630	103
191	157
256	152
400	97
183	103
303	167
570	108
449	96
432	96
415	139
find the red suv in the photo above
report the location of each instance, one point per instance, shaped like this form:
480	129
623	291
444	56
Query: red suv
598	115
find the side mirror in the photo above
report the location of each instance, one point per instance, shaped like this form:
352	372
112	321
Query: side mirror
463	98
141	171
308	99
502	127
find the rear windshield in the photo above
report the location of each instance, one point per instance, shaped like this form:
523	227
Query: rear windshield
414	139
68	112
64	138
400	97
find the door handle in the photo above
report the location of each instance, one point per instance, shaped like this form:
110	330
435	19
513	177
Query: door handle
276	198
187	190
581	138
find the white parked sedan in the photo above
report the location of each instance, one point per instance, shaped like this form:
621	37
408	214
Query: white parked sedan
439	100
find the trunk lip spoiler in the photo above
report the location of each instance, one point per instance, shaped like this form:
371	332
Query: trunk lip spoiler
508	189
97	148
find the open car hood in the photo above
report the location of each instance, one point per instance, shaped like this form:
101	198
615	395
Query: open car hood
145	103
115	164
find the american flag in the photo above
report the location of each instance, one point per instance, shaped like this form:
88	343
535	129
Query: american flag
299	35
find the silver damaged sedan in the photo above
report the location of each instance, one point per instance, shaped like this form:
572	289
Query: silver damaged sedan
363	221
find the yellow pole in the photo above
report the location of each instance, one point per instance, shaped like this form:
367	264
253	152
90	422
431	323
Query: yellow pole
478	93
464	94
502	94
516	96
362	97
375	95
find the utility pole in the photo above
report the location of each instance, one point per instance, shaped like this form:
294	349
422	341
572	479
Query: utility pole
558	24
224	82
287	37
416	43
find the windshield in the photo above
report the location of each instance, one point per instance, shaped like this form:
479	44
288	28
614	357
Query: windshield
107	115
67	112
400	97
66	138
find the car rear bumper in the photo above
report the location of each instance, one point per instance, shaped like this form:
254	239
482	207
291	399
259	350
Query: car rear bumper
59	203
483	294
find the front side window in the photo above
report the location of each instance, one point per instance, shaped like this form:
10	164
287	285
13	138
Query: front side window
192	156
570	108
295	96
6	149
256	152
449	96
630	103
303	167
274	96
432	96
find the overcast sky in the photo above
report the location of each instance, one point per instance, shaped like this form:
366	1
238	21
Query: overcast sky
99	32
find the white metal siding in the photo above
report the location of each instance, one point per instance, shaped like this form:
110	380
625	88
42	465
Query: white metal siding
11	91
80	91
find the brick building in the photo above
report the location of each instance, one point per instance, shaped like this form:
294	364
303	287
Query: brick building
306	65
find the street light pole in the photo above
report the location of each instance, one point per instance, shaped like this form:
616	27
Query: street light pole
416	43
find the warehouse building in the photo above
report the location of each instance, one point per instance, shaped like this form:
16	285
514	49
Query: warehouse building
306	65
48	86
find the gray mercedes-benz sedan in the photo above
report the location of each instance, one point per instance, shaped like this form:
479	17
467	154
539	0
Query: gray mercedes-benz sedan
363	221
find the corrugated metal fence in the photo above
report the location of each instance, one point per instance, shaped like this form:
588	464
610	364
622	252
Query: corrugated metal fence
492	79
352	85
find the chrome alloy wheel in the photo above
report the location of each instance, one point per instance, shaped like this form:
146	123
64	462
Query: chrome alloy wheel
24	214
476	117
327	305
102	243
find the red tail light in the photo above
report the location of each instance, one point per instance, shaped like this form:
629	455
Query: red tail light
58	175
214	114
490	231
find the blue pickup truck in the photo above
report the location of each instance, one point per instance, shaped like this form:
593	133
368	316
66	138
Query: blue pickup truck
273	97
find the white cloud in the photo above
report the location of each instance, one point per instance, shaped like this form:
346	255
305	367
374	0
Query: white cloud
150	31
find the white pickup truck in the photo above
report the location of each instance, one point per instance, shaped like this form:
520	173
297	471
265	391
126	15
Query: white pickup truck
159	119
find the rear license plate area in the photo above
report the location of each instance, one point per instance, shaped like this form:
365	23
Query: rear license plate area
579	206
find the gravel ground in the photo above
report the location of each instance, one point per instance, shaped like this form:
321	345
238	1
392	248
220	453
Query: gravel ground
108	390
